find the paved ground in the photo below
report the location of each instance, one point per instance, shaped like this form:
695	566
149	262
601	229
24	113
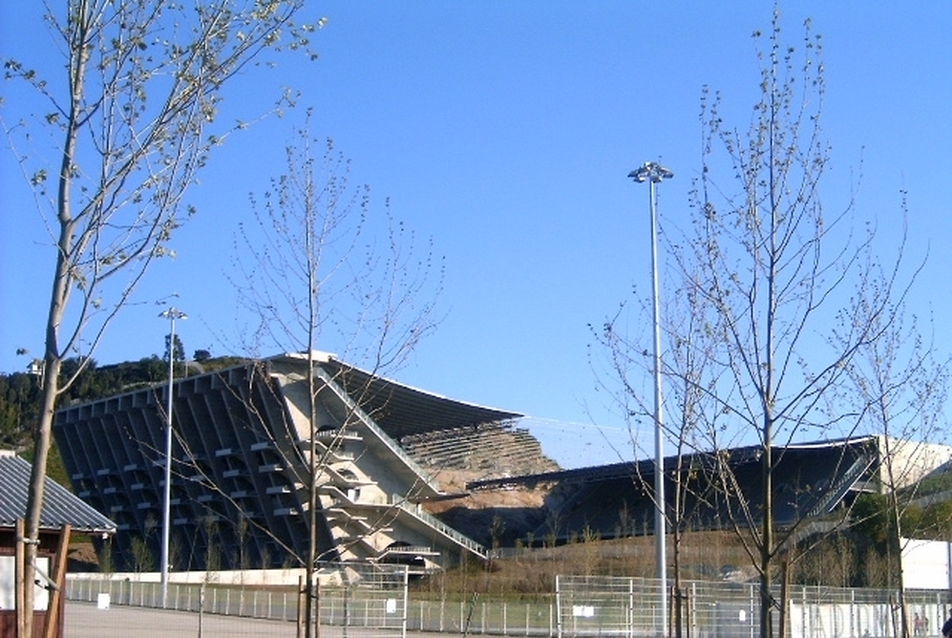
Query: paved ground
85	620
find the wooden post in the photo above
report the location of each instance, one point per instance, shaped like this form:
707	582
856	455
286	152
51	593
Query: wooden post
20	578
58	576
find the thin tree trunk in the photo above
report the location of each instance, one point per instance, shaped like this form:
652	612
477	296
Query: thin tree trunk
766	547
34	504
58	297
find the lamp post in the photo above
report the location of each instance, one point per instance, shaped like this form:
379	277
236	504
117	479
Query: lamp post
653	173
171	314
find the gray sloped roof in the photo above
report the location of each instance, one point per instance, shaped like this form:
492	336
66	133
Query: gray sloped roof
60	506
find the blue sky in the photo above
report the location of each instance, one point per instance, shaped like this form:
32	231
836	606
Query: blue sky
505	131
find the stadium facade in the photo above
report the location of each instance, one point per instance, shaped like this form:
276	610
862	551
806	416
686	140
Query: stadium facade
241	467
812	481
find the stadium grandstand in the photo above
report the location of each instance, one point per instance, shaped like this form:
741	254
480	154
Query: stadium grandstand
403	475
811	481
241	465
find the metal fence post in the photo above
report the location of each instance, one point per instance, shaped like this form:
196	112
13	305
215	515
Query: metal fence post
630	611
201	610
853	627
406	603
750	611
805	616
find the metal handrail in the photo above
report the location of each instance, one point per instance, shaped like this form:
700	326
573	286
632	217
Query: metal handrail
416	510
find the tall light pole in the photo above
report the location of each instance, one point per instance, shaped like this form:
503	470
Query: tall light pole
653	173
171	314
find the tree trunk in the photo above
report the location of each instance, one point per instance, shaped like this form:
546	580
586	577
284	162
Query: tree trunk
766	547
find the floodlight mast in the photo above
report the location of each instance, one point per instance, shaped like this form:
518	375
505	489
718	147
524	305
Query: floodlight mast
171	314
653	173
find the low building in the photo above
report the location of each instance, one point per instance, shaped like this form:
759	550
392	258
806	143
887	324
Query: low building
60	508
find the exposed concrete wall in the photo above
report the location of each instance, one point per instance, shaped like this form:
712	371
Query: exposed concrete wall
910	460
247	577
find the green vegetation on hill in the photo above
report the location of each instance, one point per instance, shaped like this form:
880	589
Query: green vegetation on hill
20	391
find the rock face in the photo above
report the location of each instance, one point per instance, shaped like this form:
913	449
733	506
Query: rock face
459	456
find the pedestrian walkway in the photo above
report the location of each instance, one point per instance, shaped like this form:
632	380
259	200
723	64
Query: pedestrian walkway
86	620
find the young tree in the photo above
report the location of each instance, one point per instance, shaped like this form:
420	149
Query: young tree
773	268
135	123
326	269
901	389
687	367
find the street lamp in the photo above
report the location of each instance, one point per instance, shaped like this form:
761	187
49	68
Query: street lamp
653	173
171	314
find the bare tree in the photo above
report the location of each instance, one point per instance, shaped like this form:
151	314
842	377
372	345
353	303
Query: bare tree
687	368
773	268
901	387
325	269
134	120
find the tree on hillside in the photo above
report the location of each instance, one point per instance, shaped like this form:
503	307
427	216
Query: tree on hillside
773	267
174	348
134	118
322	269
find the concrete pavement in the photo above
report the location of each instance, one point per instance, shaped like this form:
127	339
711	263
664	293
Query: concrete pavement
85	620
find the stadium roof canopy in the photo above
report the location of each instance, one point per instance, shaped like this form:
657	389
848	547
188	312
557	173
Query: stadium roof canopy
839	452
402	410
810	479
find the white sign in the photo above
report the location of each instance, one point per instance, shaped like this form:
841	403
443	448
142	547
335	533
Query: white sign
8	599
925	564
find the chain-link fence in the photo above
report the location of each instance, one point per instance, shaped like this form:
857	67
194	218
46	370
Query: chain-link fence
629	607
374	603
367	597
601	606
367	600
480	615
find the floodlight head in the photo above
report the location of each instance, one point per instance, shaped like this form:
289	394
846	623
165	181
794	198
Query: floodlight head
651	171
172	313
638	175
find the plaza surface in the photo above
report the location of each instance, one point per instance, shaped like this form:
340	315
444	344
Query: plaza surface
86	620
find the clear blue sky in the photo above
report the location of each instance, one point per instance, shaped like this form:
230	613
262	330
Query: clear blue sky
505	130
